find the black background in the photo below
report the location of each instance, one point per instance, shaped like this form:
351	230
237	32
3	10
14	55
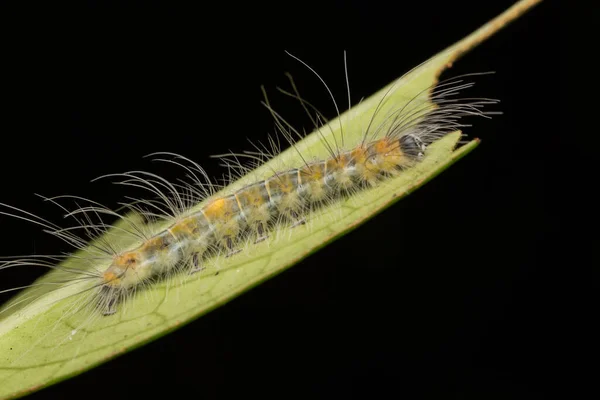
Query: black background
453	292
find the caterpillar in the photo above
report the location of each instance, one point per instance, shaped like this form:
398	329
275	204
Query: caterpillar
226	221
285	197
191	226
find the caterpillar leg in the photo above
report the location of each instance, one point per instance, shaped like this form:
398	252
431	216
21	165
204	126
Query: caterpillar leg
260	230
299	222
230	247
196	264
111	307
297	219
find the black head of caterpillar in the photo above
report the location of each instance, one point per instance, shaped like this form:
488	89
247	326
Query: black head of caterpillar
412	146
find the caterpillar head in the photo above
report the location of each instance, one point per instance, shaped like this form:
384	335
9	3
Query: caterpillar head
412	146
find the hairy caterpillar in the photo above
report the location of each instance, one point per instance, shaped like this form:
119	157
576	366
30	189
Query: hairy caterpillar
250	212
226	221
249	237
189	225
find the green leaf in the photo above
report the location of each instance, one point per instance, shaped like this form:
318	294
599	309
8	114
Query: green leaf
40	342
